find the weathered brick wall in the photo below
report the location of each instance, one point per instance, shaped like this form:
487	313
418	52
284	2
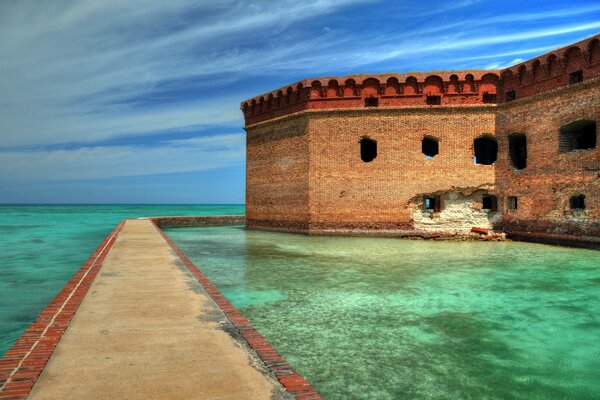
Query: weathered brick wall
550	178
277	174
304	170
347	193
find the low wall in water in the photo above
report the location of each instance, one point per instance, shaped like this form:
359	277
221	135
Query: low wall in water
183	221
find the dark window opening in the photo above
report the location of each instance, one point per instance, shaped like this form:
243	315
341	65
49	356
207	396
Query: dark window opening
432	203
511	95
512	202
372	102
430	147
490	203
575	77
489	98
578	202
517	150
486	150
368	149
434	100
577	135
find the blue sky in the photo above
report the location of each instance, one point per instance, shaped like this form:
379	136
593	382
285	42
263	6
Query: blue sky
137	101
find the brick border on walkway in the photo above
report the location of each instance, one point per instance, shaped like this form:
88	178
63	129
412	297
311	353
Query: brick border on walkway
23	363
291	380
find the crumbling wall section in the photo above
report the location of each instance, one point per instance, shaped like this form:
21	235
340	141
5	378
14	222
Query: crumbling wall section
461	211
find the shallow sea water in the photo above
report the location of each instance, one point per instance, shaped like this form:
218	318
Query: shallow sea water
42	246
373	318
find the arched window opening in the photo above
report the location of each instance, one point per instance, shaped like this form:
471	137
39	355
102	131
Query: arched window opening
368	149
577	135
486	150
578	202
430	147
517	150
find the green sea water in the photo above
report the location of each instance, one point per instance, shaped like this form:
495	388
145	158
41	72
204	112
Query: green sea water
367	318
42	246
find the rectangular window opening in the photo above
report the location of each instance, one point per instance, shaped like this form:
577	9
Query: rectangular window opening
434	100
578	202
490	203
511	95
432	203
575	77
512	202
577	135
489	98
372	102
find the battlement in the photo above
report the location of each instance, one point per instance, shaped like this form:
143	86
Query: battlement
558	68
383	90
555	69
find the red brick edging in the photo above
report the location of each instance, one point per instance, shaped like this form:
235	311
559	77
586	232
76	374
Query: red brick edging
291	380
24	361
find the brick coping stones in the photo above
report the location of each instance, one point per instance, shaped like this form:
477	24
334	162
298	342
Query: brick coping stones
293	382
23	363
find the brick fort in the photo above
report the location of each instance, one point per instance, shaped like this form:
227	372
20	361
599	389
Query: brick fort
432	154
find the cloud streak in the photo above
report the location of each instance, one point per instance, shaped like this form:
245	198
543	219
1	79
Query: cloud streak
177	156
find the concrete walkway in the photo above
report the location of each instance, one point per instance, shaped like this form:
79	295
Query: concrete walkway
147	330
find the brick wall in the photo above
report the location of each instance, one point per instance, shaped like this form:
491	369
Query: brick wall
277	174
347	193
545	186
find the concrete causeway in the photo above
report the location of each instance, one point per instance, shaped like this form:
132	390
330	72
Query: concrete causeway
146	329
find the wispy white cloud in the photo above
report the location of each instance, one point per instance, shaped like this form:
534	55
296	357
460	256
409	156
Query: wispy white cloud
177	156
78	68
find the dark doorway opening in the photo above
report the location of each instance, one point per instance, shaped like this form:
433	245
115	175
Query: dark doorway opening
430	146
489	98
575	77
512	202
578	202
517	150
368	149
434	100
490	203
486	150
372	102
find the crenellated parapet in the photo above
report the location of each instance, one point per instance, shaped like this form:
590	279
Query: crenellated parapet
444	88
561	67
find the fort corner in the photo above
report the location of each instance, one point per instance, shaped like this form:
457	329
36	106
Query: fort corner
439	152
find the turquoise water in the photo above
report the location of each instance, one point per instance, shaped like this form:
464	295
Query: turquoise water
42	246
396	319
